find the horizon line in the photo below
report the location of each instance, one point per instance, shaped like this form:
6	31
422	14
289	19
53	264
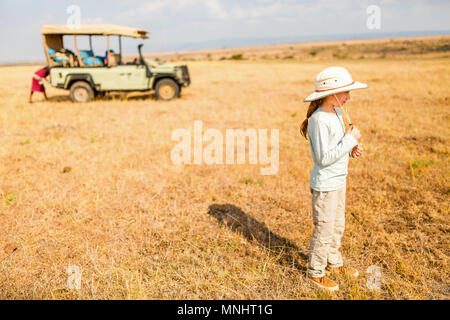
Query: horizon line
319	38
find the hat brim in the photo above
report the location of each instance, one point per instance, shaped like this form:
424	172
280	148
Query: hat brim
319	95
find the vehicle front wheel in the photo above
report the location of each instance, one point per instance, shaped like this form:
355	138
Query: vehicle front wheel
81	91
167	89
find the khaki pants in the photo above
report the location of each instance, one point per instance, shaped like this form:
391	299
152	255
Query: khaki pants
329	222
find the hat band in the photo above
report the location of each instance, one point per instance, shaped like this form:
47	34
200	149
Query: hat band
336	87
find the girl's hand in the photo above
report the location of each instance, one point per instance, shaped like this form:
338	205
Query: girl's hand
357	151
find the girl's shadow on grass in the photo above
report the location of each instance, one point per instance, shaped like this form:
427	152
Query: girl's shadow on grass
238	221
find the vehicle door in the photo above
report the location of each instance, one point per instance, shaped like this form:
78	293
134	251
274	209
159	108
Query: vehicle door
122	77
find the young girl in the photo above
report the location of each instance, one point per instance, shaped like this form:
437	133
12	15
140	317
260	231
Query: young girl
37	82
331	147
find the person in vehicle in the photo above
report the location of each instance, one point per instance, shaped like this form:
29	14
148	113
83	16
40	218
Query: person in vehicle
89	59
63	56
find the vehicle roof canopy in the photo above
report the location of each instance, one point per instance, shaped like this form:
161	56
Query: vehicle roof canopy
94	29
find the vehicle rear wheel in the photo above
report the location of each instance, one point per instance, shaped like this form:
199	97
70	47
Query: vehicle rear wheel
167	89
81	91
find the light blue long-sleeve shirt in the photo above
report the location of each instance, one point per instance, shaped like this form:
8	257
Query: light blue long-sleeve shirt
330	148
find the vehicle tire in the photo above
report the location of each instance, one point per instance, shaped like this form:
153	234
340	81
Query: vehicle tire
81	91
167	89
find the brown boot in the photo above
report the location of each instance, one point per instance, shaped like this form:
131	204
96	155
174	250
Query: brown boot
349	271
324	283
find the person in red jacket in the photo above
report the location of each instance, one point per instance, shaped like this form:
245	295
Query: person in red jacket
37	82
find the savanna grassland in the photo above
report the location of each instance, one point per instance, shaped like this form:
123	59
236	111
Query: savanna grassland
93	185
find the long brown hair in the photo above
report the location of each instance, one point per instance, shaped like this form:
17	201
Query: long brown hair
312	107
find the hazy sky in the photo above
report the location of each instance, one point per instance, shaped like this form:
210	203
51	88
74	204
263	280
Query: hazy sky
176	22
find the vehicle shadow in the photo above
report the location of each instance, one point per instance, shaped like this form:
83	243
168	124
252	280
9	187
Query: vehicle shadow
59	98
107	97
286	252
143	97
126	97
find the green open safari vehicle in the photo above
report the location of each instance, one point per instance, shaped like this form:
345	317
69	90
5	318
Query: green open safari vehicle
87	75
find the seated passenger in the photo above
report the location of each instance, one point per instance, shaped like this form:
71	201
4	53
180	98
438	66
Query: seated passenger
60	57
111	57
88	58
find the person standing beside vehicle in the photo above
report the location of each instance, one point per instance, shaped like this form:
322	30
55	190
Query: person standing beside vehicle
37	84
331	147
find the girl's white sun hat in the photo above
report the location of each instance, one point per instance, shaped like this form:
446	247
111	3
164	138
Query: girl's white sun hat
333	80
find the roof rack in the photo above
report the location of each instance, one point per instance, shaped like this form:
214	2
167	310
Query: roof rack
94	29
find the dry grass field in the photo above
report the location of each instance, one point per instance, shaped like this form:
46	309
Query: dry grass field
93	185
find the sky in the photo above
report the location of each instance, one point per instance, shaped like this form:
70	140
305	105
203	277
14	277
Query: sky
189	24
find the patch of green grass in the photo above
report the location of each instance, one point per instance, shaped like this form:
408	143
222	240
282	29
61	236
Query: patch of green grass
97	139
22	143
250	181
419	166
9	198
7	265
421	163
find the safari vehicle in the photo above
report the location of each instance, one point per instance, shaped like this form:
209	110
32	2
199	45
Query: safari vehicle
87	75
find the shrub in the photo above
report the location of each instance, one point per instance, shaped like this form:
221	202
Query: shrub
237	56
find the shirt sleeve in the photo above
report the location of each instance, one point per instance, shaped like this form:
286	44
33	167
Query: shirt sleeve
324	156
